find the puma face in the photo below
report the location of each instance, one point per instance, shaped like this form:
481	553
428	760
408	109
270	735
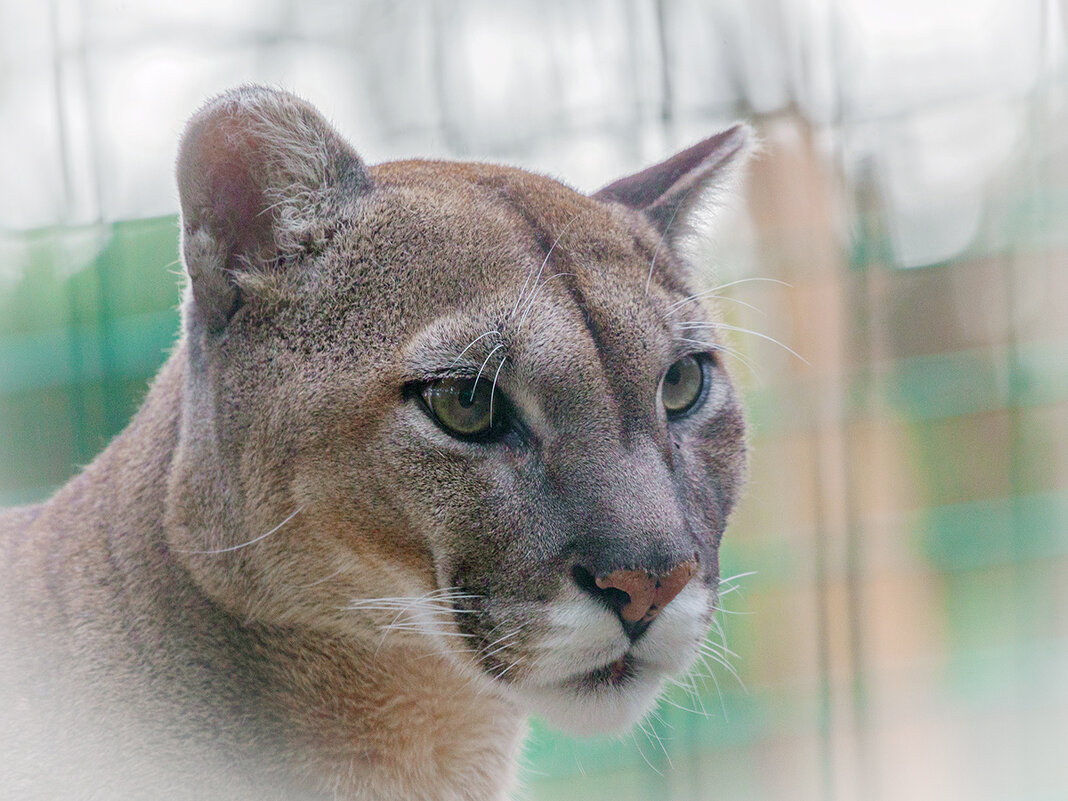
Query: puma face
570	450
453	408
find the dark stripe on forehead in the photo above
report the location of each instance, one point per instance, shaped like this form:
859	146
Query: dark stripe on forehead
541	237
555	255
617	354
622	343
600	342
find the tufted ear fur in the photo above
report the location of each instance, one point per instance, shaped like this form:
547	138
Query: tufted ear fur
256	168
668	191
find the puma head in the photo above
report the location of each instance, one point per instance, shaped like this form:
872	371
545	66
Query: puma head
450	406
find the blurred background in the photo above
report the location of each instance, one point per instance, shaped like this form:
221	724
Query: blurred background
898	620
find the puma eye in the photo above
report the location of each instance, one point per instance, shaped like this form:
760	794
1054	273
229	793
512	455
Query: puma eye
682	386
463	406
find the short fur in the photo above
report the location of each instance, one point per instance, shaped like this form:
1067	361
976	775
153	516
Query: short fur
284	579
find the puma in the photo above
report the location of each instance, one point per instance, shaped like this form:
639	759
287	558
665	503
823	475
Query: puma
441	446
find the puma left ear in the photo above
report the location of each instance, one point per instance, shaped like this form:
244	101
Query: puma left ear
257	167
667	192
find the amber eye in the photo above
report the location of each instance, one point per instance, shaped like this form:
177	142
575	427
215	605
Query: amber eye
463	405
682	385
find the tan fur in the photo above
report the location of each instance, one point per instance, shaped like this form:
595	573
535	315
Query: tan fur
284	580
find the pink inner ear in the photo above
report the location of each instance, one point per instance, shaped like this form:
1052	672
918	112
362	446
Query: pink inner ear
235	197
694	168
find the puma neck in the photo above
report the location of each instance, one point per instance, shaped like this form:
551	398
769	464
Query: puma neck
95	564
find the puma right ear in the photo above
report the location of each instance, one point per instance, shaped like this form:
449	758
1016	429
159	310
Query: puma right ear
668	191
256	167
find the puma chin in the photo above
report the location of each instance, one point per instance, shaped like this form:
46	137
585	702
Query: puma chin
441	445
593	679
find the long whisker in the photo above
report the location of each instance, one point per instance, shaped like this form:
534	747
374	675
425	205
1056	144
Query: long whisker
721	348
734	354
428	630
485	361
739	329
431	612
720	609
543	263
710	651
534	293
722	647
740	302
736	576
437	602
501	643
696	695
471	344
253	541
428	600
493	386
514	664
697	296
637	745
652	731
711	674
677	705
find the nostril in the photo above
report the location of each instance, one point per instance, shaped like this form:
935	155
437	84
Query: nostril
636	596
612	597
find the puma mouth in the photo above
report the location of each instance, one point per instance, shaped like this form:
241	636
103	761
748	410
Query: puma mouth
603	699
614	674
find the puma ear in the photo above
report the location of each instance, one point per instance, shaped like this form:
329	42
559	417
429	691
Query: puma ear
668	191
256	167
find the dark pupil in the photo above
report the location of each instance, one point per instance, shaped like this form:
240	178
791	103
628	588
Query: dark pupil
461	405
673	375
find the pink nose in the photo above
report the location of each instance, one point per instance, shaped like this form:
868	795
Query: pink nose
648	593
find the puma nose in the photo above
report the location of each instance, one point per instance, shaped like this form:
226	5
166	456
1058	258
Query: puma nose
637	596
646	593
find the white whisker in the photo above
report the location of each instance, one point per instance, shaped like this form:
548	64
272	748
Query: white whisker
711	674
696	695
740	302
500	644
530	303
485	361
736	576
721	348
430	631
739	329
426	614
493	386
677	705
651	732
471	344
253	541
542	268
697	296
642	753
722	660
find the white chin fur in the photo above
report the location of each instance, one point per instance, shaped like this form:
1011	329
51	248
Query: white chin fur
589	712
582	636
